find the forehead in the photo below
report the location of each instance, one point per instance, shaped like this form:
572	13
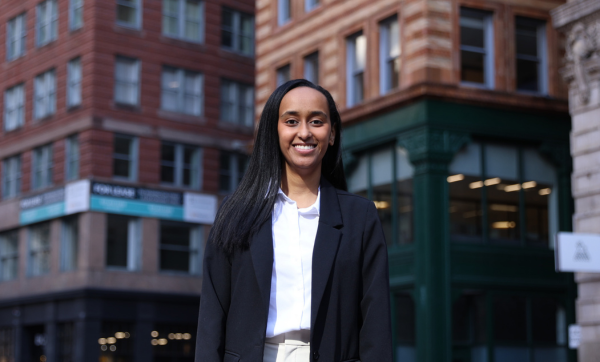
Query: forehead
304	99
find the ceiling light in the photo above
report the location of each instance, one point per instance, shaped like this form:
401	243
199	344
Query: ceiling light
455	178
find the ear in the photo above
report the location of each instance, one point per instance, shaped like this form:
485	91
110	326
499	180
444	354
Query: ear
332	136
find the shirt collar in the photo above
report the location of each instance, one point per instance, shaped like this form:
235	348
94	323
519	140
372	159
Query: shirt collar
314	209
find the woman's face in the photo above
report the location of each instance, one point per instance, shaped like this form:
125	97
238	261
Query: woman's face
304	129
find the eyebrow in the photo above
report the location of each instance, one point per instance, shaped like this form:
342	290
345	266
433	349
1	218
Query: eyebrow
296	113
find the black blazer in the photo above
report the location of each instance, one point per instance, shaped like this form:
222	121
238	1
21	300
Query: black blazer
350	305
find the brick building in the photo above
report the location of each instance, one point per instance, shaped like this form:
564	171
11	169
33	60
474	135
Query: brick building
123	122
456	125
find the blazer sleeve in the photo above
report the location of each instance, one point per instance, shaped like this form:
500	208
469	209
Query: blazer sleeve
214	304
376	330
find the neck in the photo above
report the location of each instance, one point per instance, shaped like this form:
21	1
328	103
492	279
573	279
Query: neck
302	188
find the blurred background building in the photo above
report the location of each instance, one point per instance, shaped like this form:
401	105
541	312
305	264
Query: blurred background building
456	125
123	121
579	21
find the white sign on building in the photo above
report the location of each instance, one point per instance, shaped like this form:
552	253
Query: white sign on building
574	336
577	252
77	196
199	208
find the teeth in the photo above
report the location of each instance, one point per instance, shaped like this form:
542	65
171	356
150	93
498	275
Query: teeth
305	147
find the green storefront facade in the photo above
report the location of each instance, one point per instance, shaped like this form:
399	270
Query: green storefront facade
477	196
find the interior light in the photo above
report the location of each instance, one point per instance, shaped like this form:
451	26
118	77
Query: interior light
120	335
476	185
492	181
162	341
504	225
187	336
102	341
111	340
178	336
104	347
171	335
154	342
545	192
382	204
154	334
455	178
507	208
113	348
529	184
511	188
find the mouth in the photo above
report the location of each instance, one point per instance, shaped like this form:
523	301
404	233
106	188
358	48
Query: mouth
305	146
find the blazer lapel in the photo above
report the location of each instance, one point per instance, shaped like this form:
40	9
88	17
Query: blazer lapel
326	244
261	249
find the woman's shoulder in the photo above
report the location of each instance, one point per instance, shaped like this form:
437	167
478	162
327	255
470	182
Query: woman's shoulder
347	198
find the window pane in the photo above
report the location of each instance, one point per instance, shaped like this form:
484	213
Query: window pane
546	321
527	75
175	247
405	328
283	74
123	146
181	343
126	14
510	320
526	37
117	240
472	67
472	36
123	351
39	248
121	168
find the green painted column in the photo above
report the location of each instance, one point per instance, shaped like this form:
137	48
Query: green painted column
430	151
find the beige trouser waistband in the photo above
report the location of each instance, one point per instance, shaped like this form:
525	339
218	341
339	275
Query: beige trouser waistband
294	337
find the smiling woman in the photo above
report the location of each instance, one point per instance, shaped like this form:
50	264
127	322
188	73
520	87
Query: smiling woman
295	267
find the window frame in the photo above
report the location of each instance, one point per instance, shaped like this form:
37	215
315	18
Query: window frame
182	76
236	31
385	57
13	177
353	70
71	162
19	101
311	65
135	64
137	7
69	243
487	50
280	74
240	93
7	237
74	78
181	19
18	23
234	169
284	12
134	244
541	59
50	21
36	254
132	158
42	162
44	95
75	14
179	166
194	248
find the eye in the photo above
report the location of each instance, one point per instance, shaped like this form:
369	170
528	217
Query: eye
291	121
317	122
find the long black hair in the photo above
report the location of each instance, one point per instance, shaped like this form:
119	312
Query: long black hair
251	204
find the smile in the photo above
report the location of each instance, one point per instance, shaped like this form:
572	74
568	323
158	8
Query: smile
305	147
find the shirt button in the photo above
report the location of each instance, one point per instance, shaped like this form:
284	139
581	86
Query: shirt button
316	355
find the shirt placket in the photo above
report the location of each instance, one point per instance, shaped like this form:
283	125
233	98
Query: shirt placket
297	258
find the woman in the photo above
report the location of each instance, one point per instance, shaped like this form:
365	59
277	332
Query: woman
295	268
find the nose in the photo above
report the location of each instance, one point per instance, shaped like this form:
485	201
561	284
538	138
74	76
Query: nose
304	131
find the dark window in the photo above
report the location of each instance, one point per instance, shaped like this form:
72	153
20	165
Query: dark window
180	246
476	47
7	345
469	328
34	343
231	170
405	328
122	242
311	67
116	342
66	342
124	157
180	165
237	31
530	53
283	74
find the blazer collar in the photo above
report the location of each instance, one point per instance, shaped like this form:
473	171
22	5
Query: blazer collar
330	205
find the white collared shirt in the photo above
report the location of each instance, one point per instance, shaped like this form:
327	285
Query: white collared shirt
294	232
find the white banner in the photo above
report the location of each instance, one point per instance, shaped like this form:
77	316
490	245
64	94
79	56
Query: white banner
576	252
199	208
77	196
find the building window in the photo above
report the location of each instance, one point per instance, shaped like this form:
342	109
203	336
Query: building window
16	35
311	67
9	256
129	13
502	194
531	62
74	83
469	335
181	342
11	177
14	107
180	165
405	317
127	81
310	5
356	56
123	242
476	48
39	249
232	167
237	103
284	13
180	247
66	342
75	14
181	91
72	158
125	156
42	167
69	244
283	74
46	22
389	55
45	95
7	344
373	178
117	341
183	19
237	31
